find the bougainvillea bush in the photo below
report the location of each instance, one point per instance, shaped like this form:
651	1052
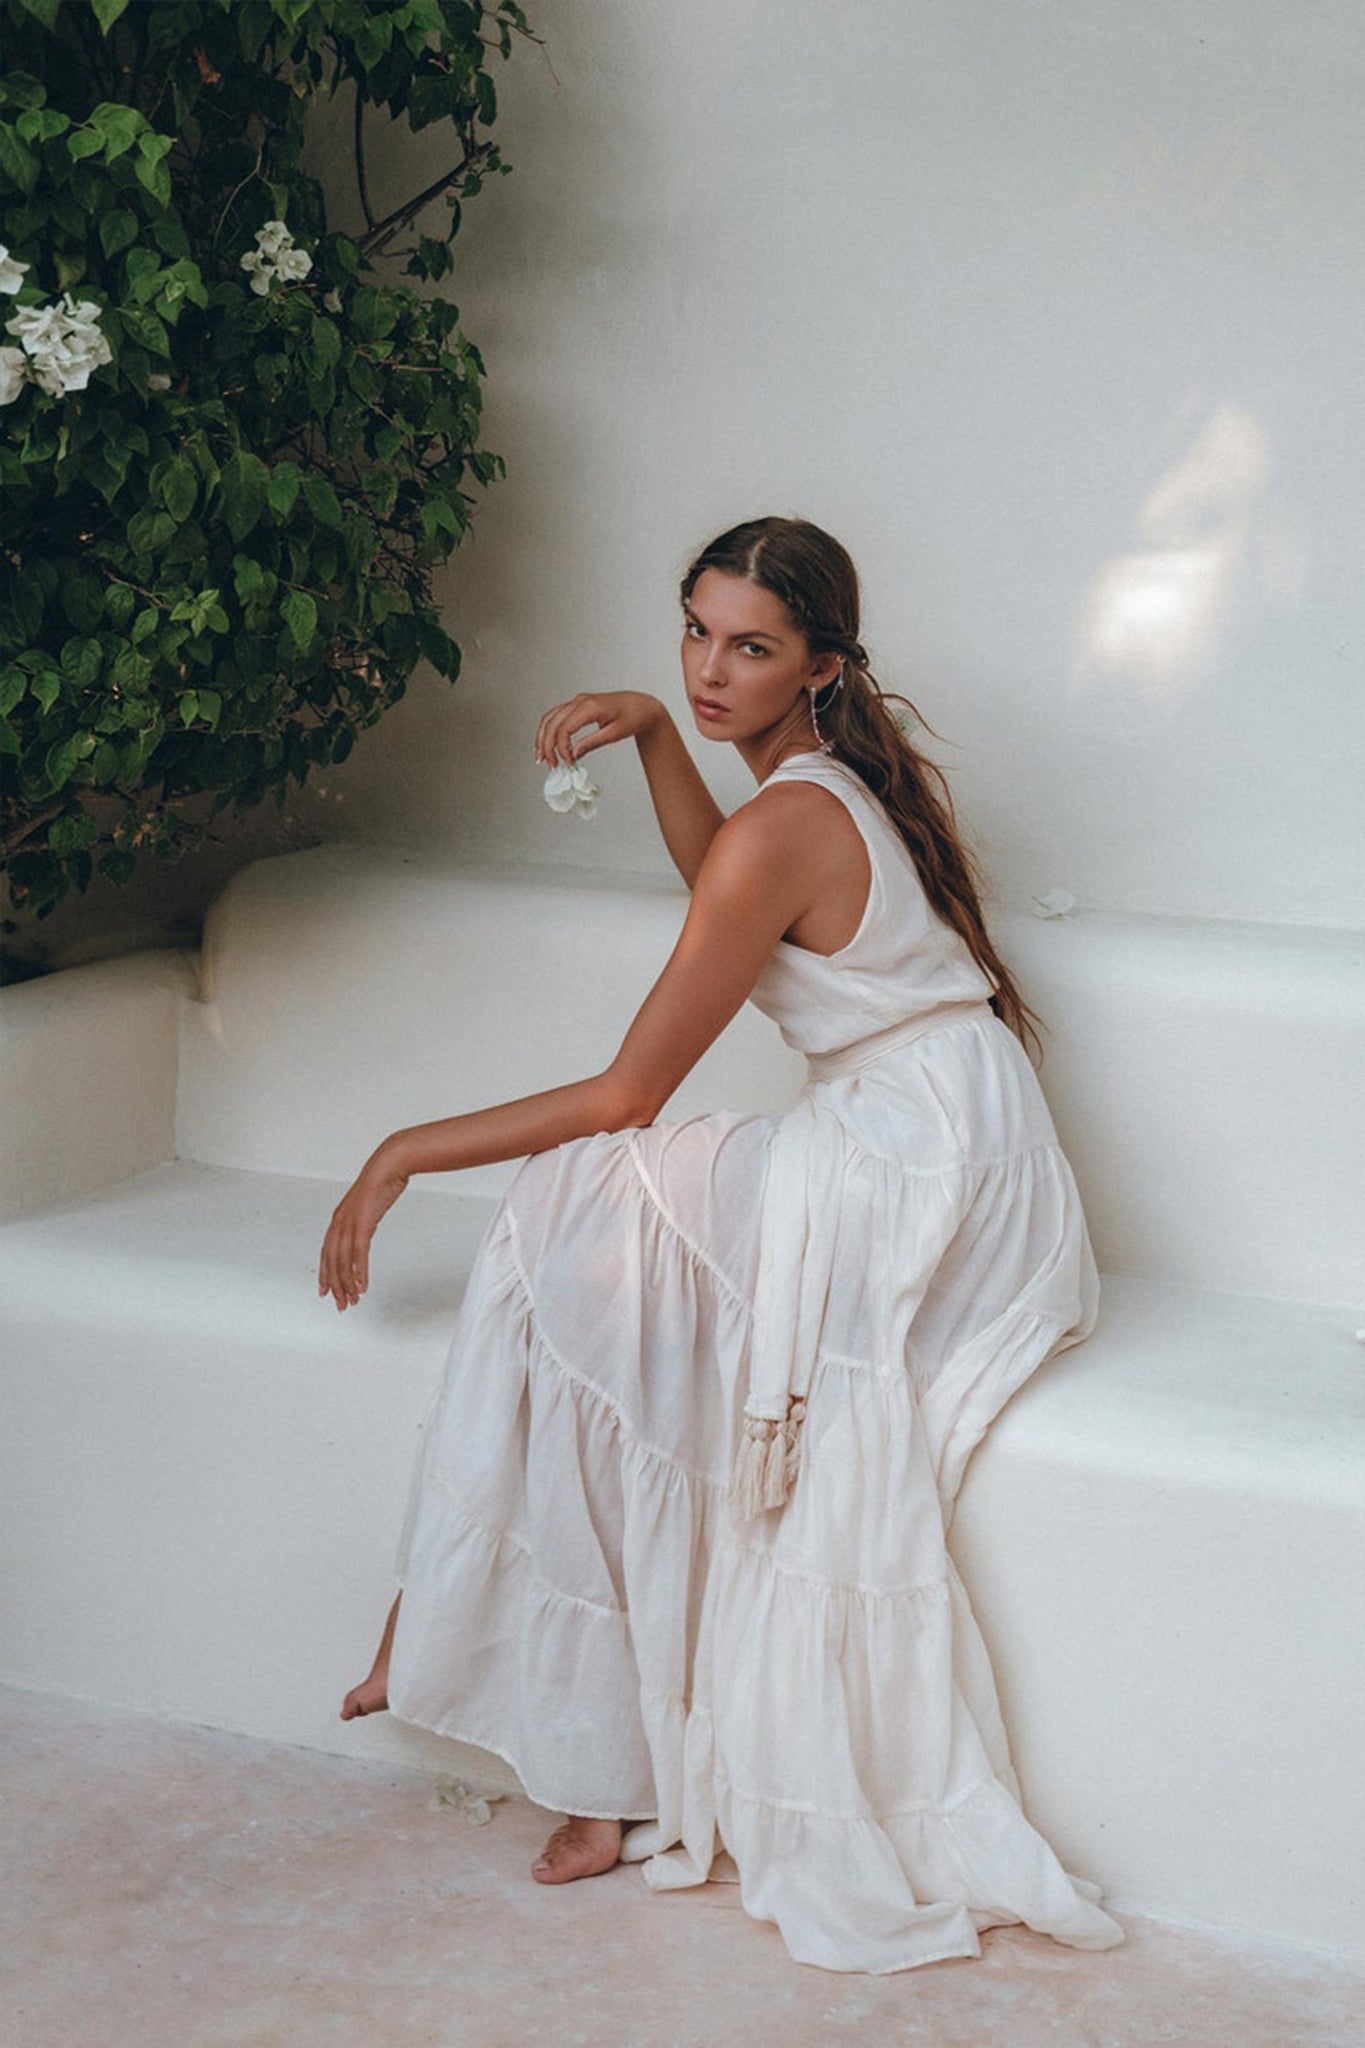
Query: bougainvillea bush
232	447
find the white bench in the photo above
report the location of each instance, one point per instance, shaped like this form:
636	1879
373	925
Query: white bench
204	1465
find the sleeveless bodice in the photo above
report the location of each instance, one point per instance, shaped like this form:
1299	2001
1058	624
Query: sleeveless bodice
903	961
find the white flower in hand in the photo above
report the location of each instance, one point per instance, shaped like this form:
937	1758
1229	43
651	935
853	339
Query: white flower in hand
570	788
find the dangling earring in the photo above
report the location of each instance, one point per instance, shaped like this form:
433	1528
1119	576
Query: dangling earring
825	746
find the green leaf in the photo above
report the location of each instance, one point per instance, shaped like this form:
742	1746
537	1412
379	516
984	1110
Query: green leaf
180	490
69	834
17	160
144	327
300	614
326	337
241	492
142	268
251	578
40	124
118	126
117	230
82	660
189	706
210	706
60	761
153	175
286	479
107	12
323	502
149	530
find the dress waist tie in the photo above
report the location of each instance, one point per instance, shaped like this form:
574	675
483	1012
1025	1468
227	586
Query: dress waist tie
798	1233
830	1066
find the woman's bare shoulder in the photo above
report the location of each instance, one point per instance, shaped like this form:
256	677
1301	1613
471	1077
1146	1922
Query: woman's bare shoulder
796	833
795	807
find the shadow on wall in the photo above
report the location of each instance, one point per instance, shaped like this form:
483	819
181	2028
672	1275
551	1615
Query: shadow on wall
1155	617
163	905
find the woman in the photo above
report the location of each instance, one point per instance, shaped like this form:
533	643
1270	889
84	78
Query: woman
675	1546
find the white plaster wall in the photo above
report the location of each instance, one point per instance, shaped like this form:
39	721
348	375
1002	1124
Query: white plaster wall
1052	311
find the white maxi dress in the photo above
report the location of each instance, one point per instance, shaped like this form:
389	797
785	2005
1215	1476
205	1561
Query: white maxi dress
799	1699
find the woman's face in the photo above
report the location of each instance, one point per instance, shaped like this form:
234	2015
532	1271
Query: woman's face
747	666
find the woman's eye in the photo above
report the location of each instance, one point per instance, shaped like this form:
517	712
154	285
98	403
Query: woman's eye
754	647
690	626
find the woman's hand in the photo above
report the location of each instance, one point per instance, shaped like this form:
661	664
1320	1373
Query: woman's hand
344	1268
617	714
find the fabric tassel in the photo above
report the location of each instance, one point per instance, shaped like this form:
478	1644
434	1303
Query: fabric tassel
767	1461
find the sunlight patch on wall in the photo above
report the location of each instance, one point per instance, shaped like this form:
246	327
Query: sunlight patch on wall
1154	617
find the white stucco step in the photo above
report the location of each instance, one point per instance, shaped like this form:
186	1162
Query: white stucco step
1205	1077
203	1467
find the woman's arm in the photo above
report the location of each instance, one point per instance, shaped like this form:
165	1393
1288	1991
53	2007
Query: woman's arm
689	816
759	874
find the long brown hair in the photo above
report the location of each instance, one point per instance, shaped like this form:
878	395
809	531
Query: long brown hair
816	580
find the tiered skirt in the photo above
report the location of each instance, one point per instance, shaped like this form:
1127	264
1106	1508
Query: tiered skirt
800	1701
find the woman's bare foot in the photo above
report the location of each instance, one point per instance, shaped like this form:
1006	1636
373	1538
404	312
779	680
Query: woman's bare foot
371	1696
581	1848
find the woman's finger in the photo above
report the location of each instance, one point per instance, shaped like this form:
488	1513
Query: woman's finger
604	736
549	727
560	723
335	1263
326	1272
566	725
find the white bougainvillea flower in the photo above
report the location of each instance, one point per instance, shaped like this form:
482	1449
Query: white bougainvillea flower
35	326
63	343
159	381
13	374
293	263
570	788
275	256
1056	903
11	271
333	301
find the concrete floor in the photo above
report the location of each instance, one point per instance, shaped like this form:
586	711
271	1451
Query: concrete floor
168	1884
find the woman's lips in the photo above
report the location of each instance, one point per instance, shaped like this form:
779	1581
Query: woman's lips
706	709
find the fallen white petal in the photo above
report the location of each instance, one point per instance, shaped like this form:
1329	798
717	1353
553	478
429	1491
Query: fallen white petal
476	1806
1056	903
